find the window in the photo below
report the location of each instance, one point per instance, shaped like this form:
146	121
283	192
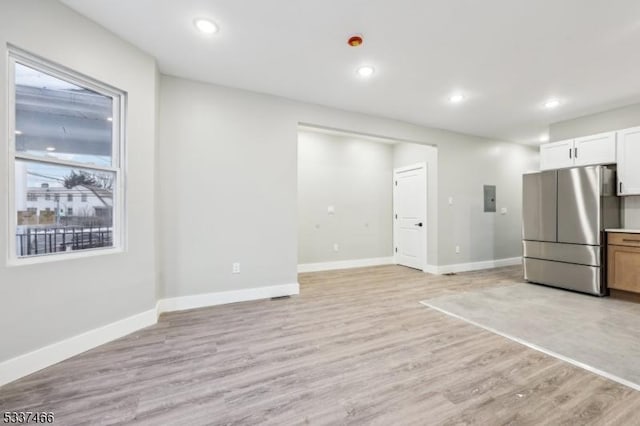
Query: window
66	138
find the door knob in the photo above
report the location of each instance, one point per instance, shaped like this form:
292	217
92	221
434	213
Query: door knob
419	224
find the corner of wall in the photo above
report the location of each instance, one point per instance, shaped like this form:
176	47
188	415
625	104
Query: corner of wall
156	191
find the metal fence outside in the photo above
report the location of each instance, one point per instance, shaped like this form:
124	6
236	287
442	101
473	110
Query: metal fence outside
37	240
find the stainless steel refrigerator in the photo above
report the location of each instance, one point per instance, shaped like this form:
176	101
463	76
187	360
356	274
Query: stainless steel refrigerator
565	213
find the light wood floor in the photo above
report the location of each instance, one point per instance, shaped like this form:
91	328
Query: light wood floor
355	347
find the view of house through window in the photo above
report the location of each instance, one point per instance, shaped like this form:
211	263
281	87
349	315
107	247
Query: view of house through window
66	163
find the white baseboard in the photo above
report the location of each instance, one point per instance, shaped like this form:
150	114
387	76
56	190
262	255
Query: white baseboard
31	362
430	269
344	264
220	298
476	266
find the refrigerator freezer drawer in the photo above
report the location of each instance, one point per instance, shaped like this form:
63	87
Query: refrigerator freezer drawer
570	253
586	279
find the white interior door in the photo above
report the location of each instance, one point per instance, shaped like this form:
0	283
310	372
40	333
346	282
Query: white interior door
410	215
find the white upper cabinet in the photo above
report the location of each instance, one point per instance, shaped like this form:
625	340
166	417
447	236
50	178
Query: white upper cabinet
629	161
596	149
584	151
556	155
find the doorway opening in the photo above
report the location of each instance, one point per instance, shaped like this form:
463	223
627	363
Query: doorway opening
348	201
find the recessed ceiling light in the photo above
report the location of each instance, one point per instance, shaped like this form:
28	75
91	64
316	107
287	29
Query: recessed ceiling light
544	138
18	132
109	118
365	71
552	103
456	98
51	148
206	26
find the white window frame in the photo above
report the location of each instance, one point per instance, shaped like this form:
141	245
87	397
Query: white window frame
118	163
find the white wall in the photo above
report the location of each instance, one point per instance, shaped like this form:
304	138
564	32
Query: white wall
463	170
239	148
632	212
615	119
354	176
465	163
48	302
227	189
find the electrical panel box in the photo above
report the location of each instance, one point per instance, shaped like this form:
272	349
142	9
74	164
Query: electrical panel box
490	198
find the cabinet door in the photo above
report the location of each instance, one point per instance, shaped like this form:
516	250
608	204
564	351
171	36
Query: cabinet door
556	155
629	161
624	268
595	149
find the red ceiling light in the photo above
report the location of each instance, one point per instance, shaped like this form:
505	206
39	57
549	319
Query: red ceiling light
355	41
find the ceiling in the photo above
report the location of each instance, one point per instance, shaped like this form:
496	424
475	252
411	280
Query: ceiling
506	56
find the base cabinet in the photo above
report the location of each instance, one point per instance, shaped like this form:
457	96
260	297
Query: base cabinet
624	262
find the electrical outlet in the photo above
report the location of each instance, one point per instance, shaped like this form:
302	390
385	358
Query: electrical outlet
457	249
336	247
450	201
235	268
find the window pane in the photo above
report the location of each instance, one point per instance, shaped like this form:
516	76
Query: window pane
55	118
50	214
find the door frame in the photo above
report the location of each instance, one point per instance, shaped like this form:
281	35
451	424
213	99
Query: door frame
424	245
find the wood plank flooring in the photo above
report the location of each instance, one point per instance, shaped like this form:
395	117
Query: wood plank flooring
355	347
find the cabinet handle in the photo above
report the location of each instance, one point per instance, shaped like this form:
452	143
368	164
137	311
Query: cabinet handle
569	152
620	191
575	152
628	240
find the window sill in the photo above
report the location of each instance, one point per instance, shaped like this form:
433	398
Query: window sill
58	257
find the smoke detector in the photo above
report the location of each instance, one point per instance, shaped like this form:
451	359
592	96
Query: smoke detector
355	41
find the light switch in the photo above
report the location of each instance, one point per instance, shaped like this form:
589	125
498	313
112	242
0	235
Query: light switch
503	210
450	201
331	210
